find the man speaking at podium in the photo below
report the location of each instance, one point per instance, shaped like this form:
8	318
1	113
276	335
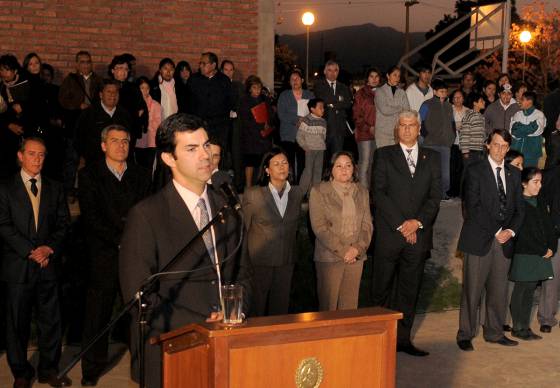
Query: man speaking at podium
161	225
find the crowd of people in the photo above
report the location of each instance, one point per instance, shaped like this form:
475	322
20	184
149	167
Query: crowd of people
145	159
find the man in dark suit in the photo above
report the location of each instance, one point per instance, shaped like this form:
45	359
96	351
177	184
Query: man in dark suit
34	218
159	227
494	211
107	190
406	195
99	115
337	99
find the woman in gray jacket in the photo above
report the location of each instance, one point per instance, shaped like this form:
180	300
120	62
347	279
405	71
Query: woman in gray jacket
341	220
390	100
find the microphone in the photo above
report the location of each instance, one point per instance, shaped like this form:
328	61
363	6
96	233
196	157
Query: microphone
231	196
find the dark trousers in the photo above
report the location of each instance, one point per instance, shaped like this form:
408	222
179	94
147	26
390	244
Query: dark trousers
522	304
455	171
480	273
296	157
20	300
272	289
335	143
99	308
398	268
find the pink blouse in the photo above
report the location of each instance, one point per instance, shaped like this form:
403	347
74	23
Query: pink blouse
148	139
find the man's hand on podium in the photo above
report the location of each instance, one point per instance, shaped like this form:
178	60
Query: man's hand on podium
216	316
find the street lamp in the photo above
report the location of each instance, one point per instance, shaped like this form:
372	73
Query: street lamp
307	19
524	38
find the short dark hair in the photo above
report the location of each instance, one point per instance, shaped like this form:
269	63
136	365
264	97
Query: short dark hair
213	58
500	132
142	80
373	70
252	80
295	71
263	178
438	84
423	68
468	72
225	62
529	173
28	58
328	172
117	60
313	102
109	81
166	61
511	155
489	82
393	69
472	98
128	57
48	67
460	92
9	62
82	53
530	95
181	65
179	122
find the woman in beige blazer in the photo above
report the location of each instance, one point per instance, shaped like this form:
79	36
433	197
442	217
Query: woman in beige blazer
341	220
272	212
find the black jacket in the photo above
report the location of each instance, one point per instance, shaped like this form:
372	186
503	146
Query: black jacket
335	115
550	194
17	228
210	98
536	234
482	204
89	126
104	205
397	196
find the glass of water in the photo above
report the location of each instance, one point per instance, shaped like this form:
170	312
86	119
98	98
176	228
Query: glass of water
233	304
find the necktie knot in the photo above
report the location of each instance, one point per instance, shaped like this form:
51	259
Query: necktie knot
34	188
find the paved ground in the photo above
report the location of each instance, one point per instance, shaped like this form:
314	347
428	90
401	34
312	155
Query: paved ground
531	364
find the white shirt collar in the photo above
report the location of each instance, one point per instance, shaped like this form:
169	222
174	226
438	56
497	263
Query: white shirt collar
26	177
110	112
414	149
494	164
190	198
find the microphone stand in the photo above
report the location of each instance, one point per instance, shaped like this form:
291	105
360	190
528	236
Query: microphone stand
146	288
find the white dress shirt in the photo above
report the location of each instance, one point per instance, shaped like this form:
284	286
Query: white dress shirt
191	200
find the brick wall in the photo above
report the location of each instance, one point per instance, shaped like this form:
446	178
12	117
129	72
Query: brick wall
149	29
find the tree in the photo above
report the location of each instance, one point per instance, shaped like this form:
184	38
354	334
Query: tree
284	60
542	62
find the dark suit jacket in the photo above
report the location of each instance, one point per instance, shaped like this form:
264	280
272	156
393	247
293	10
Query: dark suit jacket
397	196
271	238
482	206
341	101
156	230
89	126
550	195
104	205
17	228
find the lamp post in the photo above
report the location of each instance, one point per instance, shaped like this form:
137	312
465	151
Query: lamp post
307	19
524	38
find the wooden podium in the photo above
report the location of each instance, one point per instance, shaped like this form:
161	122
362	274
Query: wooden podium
349	348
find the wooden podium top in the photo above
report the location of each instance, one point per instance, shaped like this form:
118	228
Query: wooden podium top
284	322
